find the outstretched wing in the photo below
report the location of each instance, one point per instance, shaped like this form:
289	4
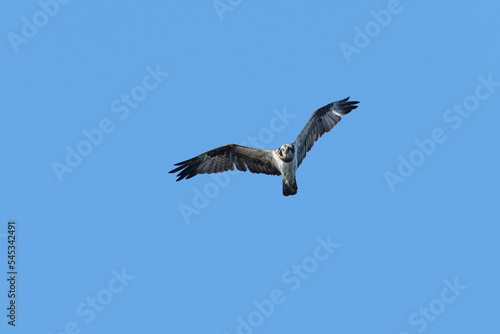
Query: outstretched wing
321	121
226	158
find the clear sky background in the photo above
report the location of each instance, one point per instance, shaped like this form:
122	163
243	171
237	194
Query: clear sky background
395	226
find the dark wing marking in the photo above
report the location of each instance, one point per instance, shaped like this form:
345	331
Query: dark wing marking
226	158
321	121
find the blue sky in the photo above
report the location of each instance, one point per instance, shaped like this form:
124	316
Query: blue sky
394	228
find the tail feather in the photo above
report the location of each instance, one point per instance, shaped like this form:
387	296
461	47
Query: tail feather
289	189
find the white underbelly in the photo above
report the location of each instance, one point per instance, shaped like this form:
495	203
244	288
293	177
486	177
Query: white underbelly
287	169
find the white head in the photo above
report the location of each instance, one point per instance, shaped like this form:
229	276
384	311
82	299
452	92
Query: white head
286	152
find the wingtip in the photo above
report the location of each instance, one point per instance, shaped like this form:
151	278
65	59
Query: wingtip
344	106
176	169
347	100
180	176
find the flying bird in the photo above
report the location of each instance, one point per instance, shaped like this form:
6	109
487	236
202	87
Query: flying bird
283	161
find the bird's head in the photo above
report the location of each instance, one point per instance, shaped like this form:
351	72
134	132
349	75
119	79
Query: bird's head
286	152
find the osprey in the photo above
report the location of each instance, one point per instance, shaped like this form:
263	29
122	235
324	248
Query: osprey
283	161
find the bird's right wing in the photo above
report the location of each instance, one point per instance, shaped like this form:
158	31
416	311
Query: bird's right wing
321	121
226	158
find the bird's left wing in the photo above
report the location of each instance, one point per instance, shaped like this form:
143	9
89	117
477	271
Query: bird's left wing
226	158
321	121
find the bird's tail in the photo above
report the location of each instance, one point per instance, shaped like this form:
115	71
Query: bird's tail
289	188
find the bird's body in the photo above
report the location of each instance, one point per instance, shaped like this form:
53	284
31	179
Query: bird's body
287	165
283	161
